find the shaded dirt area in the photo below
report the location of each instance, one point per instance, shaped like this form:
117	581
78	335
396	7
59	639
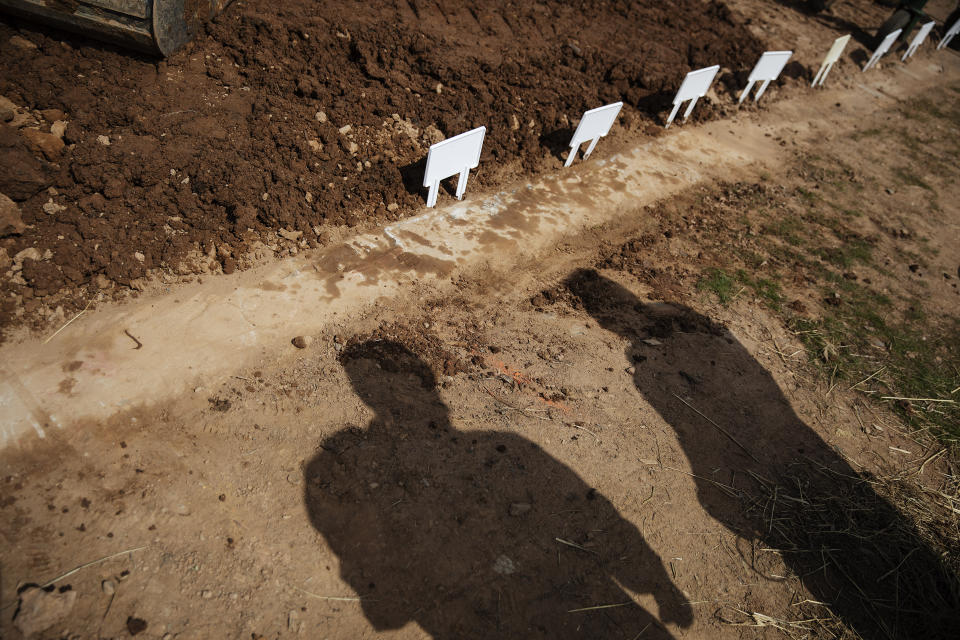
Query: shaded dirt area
299	118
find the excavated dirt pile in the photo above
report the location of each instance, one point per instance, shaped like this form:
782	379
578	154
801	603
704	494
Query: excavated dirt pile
286	120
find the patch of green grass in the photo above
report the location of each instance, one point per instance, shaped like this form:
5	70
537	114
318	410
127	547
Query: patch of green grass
720	283
726	287
787	227
854	250
907	177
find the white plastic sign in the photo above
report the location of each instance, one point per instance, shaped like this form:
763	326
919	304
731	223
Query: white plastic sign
882	49
767	69
694	87
454	155
952	31
832	56
918	40
593	125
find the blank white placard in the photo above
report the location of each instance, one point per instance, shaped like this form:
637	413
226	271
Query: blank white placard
832	56
918	40
882	49
454	155
767	69
593	125
694	87
948	36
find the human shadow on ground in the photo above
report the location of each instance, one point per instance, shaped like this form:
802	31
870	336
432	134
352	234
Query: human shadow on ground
747	448
472	534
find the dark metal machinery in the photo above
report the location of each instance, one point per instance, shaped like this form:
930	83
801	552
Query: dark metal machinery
155	26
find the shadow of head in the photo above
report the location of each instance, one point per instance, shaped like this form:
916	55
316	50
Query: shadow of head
391	380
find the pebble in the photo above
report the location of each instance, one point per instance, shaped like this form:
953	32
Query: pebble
58	128
108	587
50	207
393	206
345	129
206	594
182	509
631	370
21	43
104	140
302	342
315	145
321	116
39	610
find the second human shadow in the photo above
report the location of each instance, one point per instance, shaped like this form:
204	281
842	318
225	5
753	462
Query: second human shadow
768	477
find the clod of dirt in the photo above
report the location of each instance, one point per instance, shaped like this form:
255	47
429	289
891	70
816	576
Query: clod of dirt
11	219
136	625
46	143
302	342
39	610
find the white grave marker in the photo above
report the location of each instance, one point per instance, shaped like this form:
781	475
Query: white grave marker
454	155
593	125
694	87
832	56
952	31
882	49
768	68
918	40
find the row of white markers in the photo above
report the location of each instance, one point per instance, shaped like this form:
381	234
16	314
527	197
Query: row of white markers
461	153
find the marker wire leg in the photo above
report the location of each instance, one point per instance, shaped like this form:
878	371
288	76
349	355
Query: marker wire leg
745	92
462	183
763	87
819	73
573	154
432	196
823	78
673	114
686	114
593	143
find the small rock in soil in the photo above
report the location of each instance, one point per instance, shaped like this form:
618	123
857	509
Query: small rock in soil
11	219
21	43
302	342
321	116
50	207
58	128
519	508
39	610
104	140
52	115
109	587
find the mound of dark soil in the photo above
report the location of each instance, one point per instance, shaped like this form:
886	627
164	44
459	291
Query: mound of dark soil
302	115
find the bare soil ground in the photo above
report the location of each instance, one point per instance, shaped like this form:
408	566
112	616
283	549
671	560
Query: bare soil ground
684	422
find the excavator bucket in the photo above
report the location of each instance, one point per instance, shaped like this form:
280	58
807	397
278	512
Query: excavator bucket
155	26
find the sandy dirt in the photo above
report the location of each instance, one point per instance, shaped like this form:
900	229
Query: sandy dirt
579	440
